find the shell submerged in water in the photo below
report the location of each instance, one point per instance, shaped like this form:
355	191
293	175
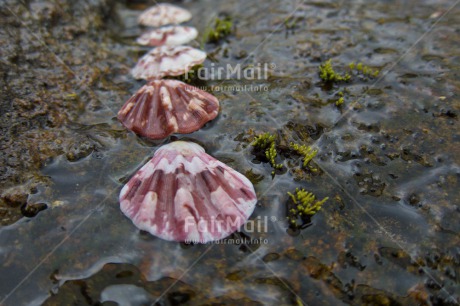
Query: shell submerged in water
184	194
163	14
167	61
168	36
163	107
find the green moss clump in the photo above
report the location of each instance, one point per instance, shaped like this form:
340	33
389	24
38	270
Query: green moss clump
271	154
267	142
308	154
71	96
305	205
364	70
341	99
290	23
264	141
218	29
329	75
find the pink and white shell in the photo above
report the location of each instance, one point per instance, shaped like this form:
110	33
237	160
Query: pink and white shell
183	194
163	14
167	61
163	107
168	36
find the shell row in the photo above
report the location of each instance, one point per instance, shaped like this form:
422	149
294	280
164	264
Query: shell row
163	107
167	61
182	193
168	36
173	35
163	14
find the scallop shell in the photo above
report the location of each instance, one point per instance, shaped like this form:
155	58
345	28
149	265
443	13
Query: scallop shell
167	61
163	14
184	194
168	36
163	107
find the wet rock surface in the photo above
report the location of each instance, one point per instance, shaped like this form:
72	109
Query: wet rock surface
52	68
388	156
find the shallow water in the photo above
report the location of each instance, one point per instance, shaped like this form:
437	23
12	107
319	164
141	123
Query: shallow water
389	160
